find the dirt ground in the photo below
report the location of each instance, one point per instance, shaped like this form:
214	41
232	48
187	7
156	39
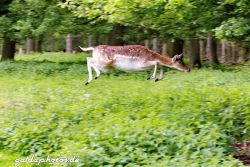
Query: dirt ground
242	151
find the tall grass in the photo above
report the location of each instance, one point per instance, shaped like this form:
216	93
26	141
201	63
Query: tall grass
121	119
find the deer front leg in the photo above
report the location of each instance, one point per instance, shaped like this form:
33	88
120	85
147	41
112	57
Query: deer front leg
154	74
161	75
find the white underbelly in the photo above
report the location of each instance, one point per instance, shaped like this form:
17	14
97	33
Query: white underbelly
130	66
104	68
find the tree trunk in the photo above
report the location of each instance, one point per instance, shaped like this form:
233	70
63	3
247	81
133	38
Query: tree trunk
223	53
175	47
90	41
218	50
211	50
118	31
194	53
228	53
69	43
202	50
155	45
39	45
147	43
185	49
242	54
8	51
30	45
107	41
94	41
234	54
79	41
164	49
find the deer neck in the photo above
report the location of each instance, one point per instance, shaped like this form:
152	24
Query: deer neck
166	61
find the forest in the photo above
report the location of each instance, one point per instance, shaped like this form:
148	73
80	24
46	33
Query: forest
205	30
195	119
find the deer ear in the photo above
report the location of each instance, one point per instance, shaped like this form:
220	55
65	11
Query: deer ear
177	57
174	58
180	56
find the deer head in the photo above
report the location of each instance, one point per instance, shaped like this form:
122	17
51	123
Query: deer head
179	64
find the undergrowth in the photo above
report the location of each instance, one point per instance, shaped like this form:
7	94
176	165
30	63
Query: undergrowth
121	119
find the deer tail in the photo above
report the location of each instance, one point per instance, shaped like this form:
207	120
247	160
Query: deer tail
87	49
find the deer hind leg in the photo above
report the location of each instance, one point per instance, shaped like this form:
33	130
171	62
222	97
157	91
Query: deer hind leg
90	64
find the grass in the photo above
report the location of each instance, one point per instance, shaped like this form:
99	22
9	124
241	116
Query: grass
121	119
8	160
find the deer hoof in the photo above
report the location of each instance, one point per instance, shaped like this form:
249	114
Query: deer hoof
156	80
96	77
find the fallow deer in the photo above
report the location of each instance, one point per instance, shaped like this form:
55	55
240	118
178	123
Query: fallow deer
129	58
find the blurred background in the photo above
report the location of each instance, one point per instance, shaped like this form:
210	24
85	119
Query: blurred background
213	31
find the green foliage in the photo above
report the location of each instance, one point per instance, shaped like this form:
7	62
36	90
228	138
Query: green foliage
45	65
121	119
36	17
171	19
235	29
8	160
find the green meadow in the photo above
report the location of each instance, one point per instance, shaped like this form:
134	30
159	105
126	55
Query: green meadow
121	119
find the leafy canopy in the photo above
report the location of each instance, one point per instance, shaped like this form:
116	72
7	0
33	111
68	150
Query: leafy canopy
173	18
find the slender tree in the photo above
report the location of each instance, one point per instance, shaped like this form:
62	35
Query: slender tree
6	19
211	50
8	49
175	46
194	52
